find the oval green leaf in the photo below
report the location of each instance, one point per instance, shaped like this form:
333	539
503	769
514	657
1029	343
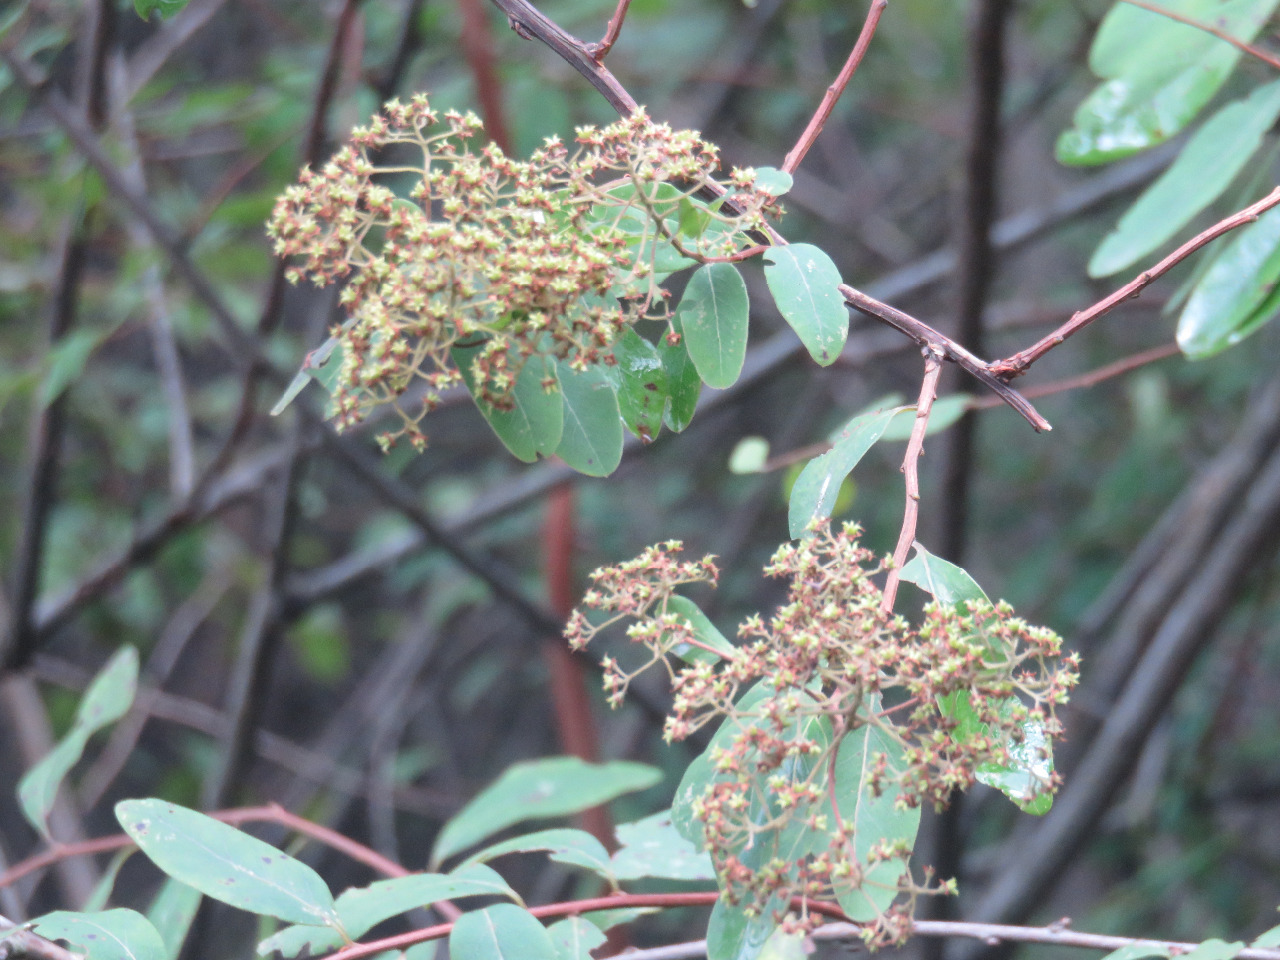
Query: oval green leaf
591	442
683	385
773	181
733	934
535	422
641	381
948	583
803	281
1158	75
652	847
1236	294
704	630
814	493
552	787
575	938
712	318
501	932
227	864
1204	169
109	935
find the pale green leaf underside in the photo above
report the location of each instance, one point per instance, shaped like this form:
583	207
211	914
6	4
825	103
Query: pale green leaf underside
803	281
109	935
227	864
552	787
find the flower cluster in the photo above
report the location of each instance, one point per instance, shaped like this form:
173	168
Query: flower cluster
455	247
830	706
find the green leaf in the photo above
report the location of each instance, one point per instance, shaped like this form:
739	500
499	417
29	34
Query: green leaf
1268	939
107	699
630	217
694	218
1024	782
652	847
501	932
946	411
1138	951
948	583
814	493
227	864
773	181
803	281
574	847
535	789
363	908
575	938
1204	169
683	385
784	946
712	318
172	912
641	382
875	819
535	423
749	455
706	632
66	361
1158	75
608	919
592	439
1236	295
110	935
1215	950
166	8
734	935
323	365
106	883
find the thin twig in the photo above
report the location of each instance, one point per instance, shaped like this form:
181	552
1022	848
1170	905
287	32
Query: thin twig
1019	363
1209	29
1087	379
600	50
829	99
911	469
1058	934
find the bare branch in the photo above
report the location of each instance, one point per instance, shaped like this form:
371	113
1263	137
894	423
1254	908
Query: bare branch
828	103
911	468
1019	363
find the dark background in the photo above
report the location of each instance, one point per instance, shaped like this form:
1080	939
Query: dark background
365	639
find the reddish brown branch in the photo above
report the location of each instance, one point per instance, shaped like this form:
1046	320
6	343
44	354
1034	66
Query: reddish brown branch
829	99
1019	363
1209	29
911	468
946	348
1089	378
598	51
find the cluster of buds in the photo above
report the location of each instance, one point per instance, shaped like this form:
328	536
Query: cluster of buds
442	246
929	707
